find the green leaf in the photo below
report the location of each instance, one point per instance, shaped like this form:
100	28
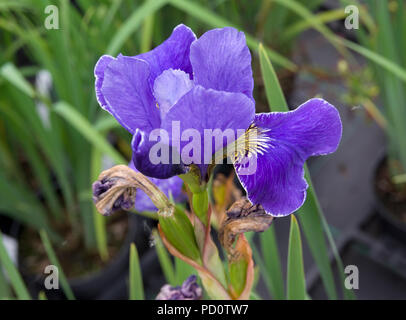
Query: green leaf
29	211
42	296
72	116
164	260
147	30
106	123
132	23
215	21
49	144
311	218
4	288
19	128
54	260
307	15
13	75
272	264
182	271
273	90
296	284
136	285
98	219
385	63
321	18
15	277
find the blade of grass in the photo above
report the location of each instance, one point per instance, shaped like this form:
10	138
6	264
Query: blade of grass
273	90
271	257
215	21
164	260
182	271
296	284
115	5
12	4
48	143
29	211
308	16
82	125
39	167
348	294
394	68
54	260
5	292
321	18
106	123
136	285
132	23
99	220
12	74
147	30
263	269
69	64
42	296
13	274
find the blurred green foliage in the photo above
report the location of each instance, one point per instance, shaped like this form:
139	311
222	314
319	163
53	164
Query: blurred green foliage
48	162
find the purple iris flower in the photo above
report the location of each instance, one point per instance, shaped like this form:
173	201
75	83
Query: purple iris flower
207	83
171	187
199	84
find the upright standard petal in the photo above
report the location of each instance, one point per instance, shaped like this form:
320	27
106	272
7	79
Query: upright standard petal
99	69
123	90
173	53
287	140
206	120
221	60
171	187
169	87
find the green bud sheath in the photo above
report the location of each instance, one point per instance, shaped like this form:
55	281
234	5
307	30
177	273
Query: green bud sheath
179	231
200	203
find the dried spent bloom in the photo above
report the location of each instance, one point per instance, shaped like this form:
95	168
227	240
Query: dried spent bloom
116	189
189	290
171	187
242	217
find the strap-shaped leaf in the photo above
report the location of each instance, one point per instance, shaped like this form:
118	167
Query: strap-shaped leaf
296	283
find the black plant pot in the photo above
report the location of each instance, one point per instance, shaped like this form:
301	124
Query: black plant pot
394	226
99	285
152	276
9	226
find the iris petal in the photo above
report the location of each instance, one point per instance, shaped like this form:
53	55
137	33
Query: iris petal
173	53
203	111
169	87
99	69
278	182
221	60
143	161
123	90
